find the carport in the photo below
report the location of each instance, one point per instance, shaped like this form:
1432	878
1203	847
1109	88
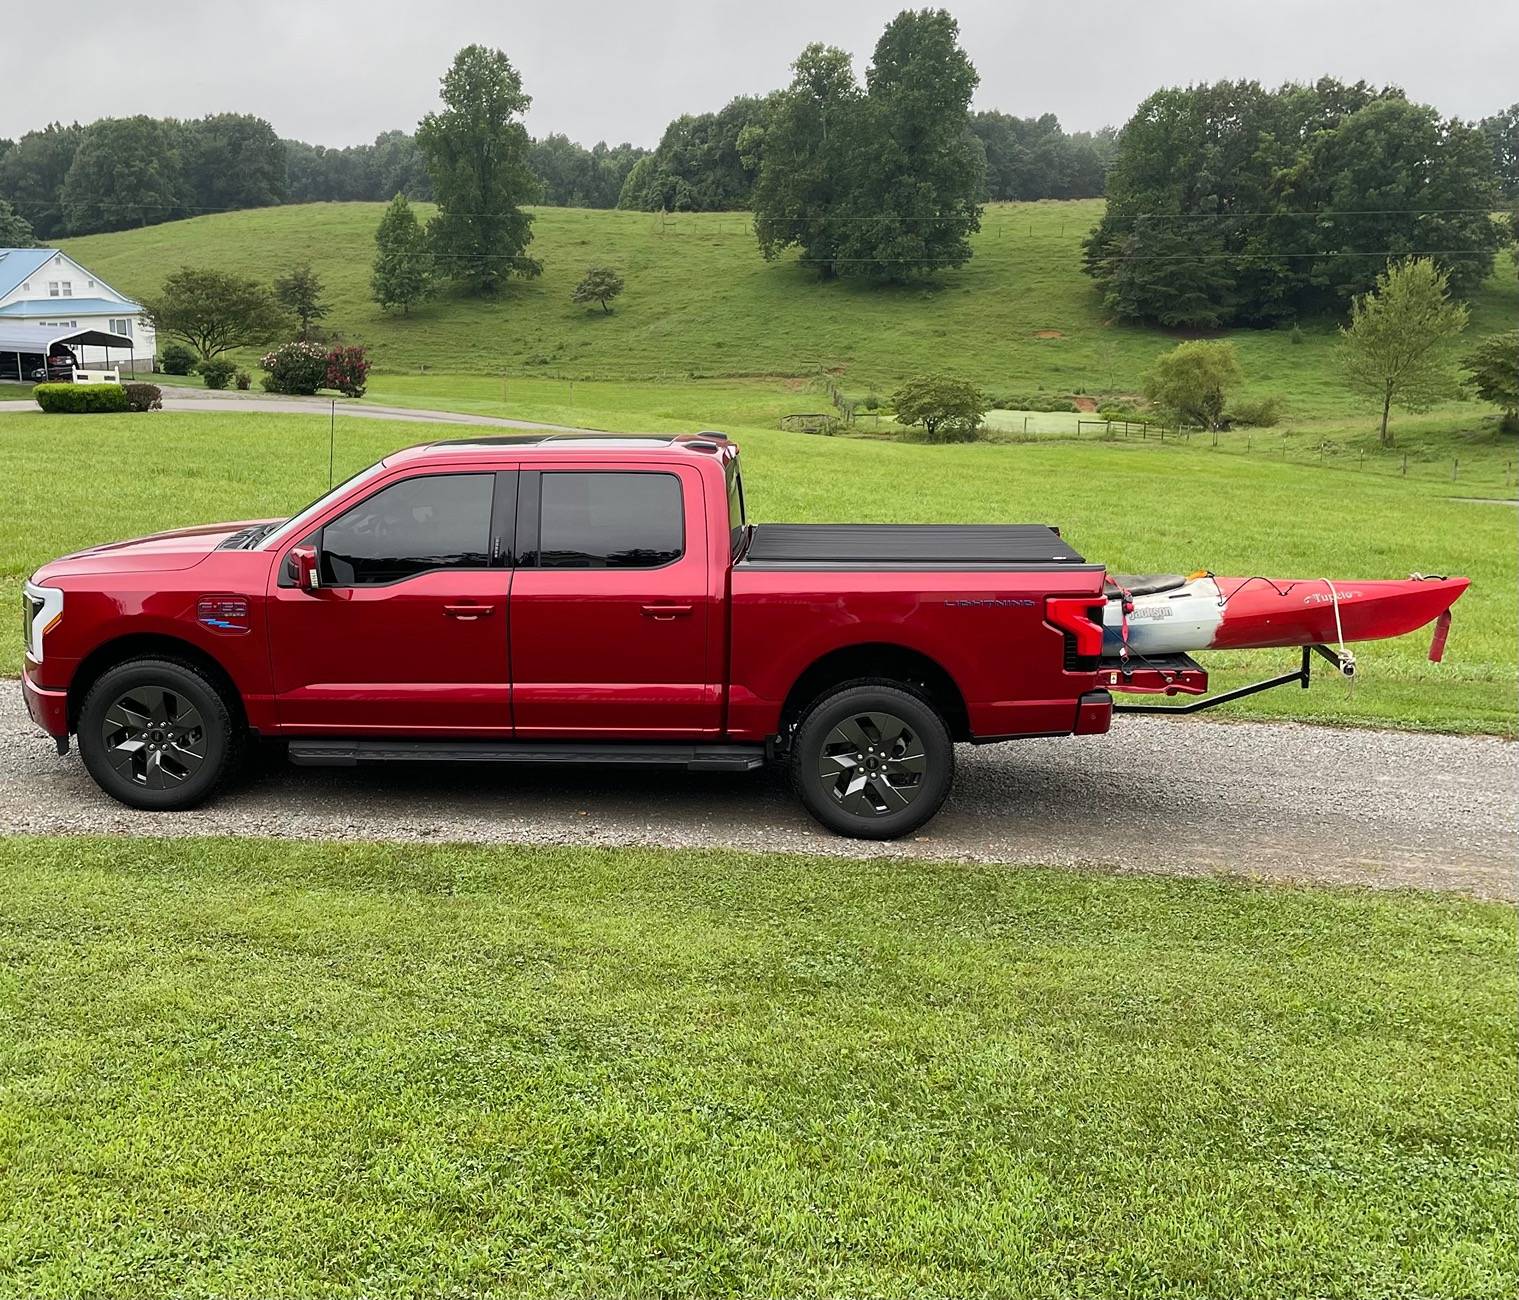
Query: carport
24	348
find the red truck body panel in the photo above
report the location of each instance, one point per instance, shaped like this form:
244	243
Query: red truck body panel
700	647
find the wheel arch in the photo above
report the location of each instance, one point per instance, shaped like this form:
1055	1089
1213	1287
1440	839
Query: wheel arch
880	661
150	645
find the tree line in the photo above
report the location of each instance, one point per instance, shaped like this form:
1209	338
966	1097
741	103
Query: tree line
1232	204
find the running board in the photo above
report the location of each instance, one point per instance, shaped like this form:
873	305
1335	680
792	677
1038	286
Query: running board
691	758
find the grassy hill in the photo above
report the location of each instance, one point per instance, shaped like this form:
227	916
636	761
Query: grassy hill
701	301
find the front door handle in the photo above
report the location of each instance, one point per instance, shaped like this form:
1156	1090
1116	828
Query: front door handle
664	613
467	612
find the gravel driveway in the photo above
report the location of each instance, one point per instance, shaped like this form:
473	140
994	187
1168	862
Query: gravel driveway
1269	801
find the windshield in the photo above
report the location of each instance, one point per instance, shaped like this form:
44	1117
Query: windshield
297	520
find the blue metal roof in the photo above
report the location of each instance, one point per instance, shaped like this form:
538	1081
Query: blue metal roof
18	264
48	308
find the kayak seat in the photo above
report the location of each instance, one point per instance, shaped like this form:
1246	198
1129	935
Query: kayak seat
1141	584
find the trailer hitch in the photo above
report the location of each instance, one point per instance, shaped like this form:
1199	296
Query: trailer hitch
1342	660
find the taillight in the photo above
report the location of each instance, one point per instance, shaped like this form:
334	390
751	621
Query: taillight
1081	617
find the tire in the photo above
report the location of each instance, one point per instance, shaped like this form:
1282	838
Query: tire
898	734
158	734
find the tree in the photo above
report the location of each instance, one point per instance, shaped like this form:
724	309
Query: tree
1494	368
704	163
801	196
600	284
1298	195
214	311
300	293
231	161
1192	382
948	409
1032	158
1396	348
33	172
477	152
402	264
126	173
15	231
882	185
1502	132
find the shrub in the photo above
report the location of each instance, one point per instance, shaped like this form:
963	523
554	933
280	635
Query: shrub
143	397
176	359
243	380
1122	411
217	373
81	399
296	368
347	371
1257	413
1295	334
1045	402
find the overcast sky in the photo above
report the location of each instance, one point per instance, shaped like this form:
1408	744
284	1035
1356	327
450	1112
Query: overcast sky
339	73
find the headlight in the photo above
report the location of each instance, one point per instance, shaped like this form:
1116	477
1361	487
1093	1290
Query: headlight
41	608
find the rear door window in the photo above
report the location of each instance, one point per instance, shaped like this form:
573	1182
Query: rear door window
609	520
434	521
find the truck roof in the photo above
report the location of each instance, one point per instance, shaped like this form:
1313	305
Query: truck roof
526	445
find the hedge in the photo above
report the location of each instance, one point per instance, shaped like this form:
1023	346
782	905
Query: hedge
80	399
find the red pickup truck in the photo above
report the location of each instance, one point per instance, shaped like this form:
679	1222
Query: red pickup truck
566	599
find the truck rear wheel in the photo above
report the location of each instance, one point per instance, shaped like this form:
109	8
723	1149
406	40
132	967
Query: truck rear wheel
157	734
872	761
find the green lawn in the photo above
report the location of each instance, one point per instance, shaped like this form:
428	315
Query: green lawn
701	301
74	481
242	1068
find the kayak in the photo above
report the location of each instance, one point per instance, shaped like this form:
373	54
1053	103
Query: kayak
1171	614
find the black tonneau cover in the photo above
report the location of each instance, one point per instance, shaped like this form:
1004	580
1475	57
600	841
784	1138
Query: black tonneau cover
894	545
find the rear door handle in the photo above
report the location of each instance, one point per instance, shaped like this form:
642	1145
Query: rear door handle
467	612
666	612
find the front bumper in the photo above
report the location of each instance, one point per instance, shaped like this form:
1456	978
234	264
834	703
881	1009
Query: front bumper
49	709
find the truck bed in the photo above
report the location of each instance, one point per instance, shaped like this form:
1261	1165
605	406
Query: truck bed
899	545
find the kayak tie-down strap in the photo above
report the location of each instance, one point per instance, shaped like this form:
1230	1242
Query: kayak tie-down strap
1347	659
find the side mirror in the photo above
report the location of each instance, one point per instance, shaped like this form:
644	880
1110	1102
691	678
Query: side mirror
303	561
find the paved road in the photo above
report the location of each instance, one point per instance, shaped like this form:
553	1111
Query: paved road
1275	802
208	400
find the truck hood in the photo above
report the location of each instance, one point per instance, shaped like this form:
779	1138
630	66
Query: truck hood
179	548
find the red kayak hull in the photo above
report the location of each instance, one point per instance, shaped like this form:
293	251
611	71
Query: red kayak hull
1262	612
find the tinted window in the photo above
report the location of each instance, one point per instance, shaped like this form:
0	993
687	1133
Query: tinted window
610	521
440	521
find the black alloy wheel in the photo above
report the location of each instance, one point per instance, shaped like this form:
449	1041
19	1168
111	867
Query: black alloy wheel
872	760
154	737
158	734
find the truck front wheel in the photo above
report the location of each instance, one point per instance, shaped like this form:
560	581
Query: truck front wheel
872	760
157	734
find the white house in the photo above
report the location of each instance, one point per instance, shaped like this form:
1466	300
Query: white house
45	293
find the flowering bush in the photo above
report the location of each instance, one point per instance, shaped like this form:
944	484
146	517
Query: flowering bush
304	367
347	371
294	368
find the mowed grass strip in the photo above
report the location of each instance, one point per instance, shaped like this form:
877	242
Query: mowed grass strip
255	1068
70	482
701	300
